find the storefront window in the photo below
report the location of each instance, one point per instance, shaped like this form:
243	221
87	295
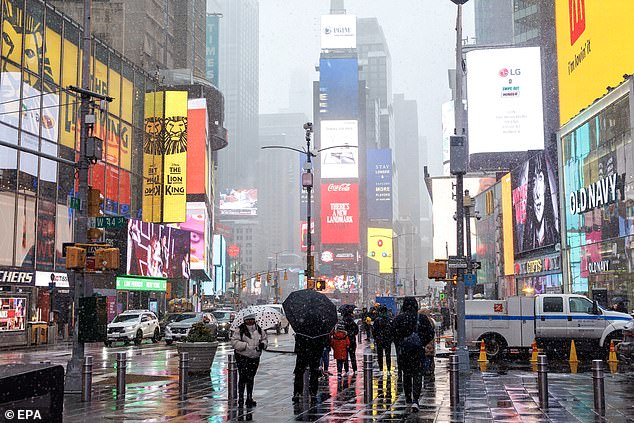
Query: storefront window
12	314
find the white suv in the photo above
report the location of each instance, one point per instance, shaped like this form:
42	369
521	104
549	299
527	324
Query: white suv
134	325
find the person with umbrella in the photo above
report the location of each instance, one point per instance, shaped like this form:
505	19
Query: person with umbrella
248	342
411	333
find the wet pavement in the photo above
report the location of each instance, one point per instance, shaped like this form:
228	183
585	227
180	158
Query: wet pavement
502	393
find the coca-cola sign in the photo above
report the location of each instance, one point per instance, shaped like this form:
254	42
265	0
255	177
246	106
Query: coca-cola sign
339	187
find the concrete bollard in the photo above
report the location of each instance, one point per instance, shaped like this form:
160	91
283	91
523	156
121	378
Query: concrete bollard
598	386
121	371
232	380
542	380
454	380
86	379
183	369
367	378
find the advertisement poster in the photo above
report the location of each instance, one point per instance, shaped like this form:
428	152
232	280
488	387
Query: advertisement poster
12	314
197	169
380	184
45	242
338	88
380	248
239	202
175	157
535	211
157	250
339	213
153	157
196	224
338	31
339	149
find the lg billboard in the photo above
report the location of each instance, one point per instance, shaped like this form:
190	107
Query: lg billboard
340	155
504	90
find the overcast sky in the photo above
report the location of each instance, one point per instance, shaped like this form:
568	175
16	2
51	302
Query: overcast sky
420	35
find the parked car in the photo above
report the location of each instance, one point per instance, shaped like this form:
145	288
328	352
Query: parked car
133	325
179	328
284	325
166	320
224	318
625	349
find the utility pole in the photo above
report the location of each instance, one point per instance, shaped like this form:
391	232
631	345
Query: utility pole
307	182
467	219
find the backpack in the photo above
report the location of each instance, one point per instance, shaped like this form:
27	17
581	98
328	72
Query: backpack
411	345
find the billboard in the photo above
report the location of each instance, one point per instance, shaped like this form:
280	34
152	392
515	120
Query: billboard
239	202
338	31
339	161
197	224
504	90
591	36
165	156
507	224
157	250
339	213
338	88
380	248
197	160
379	177
212	48
535	212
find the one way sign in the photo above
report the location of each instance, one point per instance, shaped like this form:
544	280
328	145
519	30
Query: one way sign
475	265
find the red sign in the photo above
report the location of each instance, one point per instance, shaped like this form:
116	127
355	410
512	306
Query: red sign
339	213
233	251
498	308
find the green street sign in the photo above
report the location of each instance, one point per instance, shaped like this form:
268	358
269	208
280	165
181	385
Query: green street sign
141	283
111	222
74	203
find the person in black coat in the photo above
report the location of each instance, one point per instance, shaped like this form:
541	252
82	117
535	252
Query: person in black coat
383	338
352	329
309	351
410	360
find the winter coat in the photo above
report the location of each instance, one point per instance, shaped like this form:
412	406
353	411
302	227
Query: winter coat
404	324
247	343
307	346
382	329
351	329
340	343
430	347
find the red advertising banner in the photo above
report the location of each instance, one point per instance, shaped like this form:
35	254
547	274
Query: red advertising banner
339	213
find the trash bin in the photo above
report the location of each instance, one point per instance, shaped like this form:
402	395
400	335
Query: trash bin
39	332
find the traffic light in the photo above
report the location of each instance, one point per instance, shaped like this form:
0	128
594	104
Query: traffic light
257	277
107	258
285	275
75	258
437	269
244	284
455	279
268	276
310	283
320	284
95	201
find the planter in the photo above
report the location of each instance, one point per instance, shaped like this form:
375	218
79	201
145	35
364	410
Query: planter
201	355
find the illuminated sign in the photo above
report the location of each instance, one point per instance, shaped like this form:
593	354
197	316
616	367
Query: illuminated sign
340	152
128	283
338	31
239	202
380	248
338	88
16	277
45	278
379	191
598	194
339	213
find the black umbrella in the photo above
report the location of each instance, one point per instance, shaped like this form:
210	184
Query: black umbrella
310	313
346	309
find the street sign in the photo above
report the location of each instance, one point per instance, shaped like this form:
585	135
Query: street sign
73	202
470	279
475	265
456	262
111	222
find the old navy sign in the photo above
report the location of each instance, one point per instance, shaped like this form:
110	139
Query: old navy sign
597	194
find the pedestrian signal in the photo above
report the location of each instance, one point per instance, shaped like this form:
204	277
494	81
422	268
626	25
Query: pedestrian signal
244	284
285	275
310	284
320	285
455	279
268	277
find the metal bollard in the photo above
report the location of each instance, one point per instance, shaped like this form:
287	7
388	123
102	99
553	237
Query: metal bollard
121	369
367	378
86	379
183	368
454	380
360	336
597	385
232	380
542	380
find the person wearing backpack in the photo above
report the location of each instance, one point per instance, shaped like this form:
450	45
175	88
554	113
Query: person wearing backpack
411	333
382	329
248	342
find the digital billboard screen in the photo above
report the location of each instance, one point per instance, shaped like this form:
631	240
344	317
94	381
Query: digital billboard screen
339	213
505	100
197	224
338	88
380	248
338	31
340	152
535	212
379	177
239	202
157	250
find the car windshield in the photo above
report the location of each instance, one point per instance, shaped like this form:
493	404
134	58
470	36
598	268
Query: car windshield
170	318
187	316
125	318
222	315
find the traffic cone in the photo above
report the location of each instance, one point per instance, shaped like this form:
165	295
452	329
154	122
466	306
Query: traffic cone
573	352
483	353
573	367
612	357
534	352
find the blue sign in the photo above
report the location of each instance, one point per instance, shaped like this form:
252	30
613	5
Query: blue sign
339	89
470	279
212	49
379	177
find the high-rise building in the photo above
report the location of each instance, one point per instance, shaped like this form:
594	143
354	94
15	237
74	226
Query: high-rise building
154	34
493	21
239	81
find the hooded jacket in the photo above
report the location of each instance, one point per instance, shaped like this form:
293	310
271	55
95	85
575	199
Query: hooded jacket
246	343
340	344
382	329
405	323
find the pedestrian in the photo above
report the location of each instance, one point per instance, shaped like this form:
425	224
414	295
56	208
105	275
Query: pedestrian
248	342
324	362
340	343
352	329
309	352
411	333
429	363
382	329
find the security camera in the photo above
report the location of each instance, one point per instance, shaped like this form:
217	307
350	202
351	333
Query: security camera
308	126
477	215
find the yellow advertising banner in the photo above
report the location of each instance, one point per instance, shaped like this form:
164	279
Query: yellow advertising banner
380	248
153	157
175	157
507	225
593	39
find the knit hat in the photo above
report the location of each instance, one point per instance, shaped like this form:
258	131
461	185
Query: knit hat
249	316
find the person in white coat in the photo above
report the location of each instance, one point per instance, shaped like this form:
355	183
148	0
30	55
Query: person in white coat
248	342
